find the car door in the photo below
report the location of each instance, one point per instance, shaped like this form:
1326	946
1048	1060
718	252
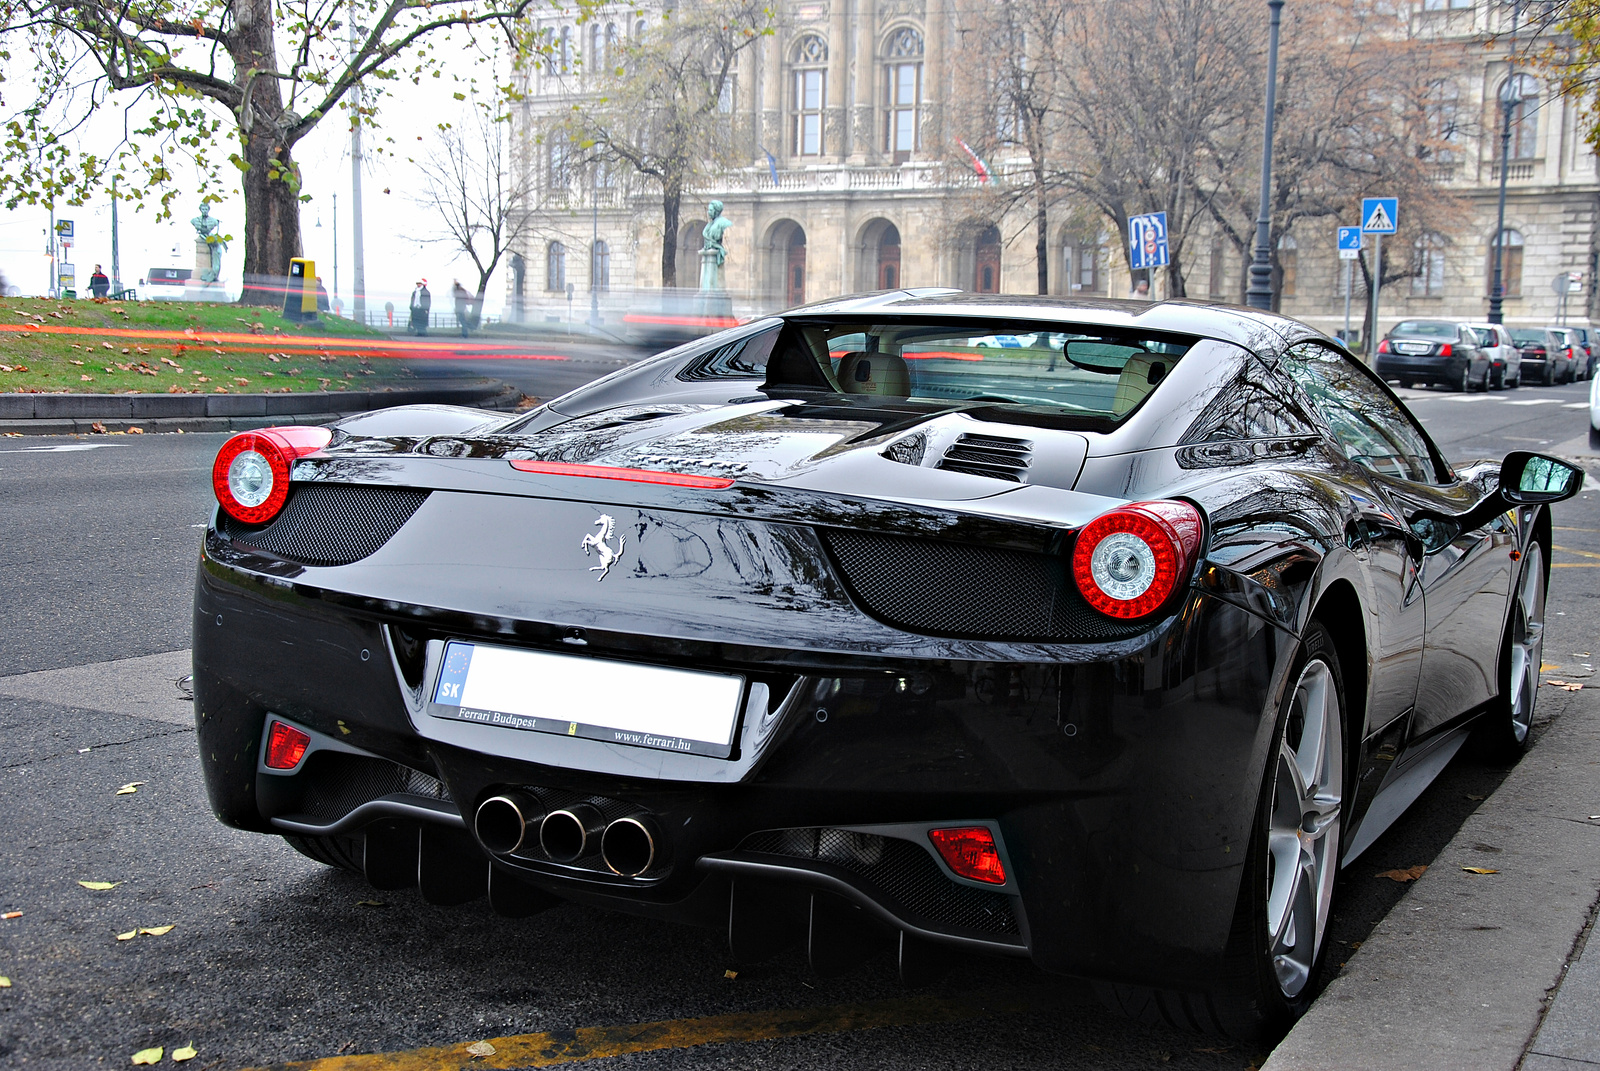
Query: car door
1340	392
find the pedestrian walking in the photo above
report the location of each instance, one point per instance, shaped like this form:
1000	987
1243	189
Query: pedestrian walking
99	285
462	298
1140	291
421	303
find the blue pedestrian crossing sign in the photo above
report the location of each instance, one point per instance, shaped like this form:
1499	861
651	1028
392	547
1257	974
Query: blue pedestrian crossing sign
1147	241
1380	215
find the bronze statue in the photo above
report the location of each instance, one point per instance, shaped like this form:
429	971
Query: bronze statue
205	226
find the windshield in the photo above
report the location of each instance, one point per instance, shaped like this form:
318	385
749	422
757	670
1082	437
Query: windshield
1523	338
1486	336
1083	372
1425	329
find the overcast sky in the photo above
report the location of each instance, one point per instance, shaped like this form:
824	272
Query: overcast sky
393	262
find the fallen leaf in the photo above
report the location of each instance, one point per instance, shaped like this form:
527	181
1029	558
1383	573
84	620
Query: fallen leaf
5	983
72	360
130	788
135	431
85	379
148	1056
106	345
99	886
480	1048
130	935
1479	870
98	428
186	1053
730	974
157	931
1410	873
370	903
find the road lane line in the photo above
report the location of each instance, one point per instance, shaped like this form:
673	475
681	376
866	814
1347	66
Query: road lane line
598	1042
1569	550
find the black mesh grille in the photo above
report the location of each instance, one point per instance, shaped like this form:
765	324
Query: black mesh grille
955	589
989	455
337	783
902	874
330	523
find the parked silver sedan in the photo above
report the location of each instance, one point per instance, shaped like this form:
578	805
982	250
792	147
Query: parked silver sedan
1505	358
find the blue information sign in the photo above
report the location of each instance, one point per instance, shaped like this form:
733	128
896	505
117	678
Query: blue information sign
1380	215
1349	238
1147	241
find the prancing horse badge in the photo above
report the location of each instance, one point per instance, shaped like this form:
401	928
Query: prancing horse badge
599	542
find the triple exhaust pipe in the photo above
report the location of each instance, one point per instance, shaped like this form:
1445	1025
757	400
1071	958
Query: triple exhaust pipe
513	821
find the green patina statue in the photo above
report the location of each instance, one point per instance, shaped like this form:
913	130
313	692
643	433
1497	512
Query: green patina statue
205	227
713	253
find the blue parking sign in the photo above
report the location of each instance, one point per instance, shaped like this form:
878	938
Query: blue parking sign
1380	215
1147	241
1349	238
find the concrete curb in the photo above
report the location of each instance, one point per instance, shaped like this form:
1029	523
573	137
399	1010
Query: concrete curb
1458	974
169	406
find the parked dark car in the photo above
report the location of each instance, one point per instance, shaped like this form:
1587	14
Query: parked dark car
1547	356
838	629
1443	352
1587	350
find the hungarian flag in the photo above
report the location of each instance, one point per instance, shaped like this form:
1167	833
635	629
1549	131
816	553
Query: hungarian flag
977	163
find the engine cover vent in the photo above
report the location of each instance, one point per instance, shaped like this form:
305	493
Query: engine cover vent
994	456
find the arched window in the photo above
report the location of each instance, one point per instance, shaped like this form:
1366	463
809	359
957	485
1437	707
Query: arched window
1288	265
902	92
1442	126
1521	94
810	95
1427	265
638	30
594	60
555	267
1082	263
560	171
566	49
608	58
1510	264
600	267
986	261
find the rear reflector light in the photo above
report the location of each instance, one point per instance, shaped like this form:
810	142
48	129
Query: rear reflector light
286	746
251	473
1446	349
1127	563
611	472
1383	347
970	852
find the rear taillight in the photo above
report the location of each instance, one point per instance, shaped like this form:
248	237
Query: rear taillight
1127	563
251	473
1383	346
286	746
970	851
1446	349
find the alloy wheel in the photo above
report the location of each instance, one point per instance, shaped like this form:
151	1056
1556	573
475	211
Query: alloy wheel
1303	834
1527	642
1466	378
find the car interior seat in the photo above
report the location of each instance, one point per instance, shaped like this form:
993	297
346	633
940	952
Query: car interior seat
1139	377
882	374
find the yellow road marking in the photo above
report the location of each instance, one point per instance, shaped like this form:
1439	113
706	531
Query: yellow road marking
1575	565
1561	528
1569	550
597	1042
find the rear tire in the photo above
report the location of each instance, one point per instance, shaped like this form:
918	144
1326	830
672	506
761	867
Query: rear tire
1405	384
1499	381
1549	377
344	853
1504	733
1465	386
1266	979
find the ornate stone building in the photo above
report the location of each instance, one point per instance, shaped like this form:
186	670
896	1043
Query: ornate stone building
843	190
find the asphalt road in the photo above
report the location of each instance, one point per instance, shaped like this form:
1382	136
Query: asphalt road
274	958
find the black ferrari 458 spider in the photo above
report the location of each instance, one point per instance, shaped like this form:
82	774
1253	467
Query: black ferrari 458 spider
1096	633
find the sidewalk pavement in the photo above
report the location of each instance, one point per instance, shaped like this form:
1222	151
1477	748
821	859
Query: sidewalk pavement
1492	971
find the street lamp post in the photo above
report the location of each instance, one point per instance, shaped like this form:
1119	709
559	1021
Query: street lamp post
1259	296
1509	95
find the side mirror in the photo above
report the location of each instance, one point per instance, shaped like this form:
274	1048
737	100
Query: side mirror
1528	479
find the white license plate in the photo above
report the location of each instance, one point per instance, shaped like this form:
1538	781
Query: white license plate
568	695
1414	348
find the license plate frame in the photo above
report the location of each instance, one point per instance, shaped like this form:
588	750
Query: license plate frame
634	704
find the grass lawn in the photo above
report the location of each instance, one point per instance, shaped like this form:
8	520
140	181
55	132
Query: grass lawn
168	347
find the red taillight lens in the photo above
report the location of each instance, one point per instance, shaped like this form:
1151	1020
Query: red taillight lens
251	474
613	472
1446	349
286	746
1383	347
1128	562
970	851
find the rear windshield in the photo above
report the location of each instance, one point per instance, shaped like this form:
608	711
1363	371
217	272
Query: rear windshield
1425	329
1078	371
1522	338
1486	336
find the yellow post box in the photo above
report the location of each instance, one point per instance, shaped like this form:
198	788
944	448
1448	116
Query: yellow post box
300	295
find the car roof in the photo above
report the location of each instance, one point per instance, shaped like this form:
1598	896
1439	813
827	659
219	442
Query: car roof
1249	328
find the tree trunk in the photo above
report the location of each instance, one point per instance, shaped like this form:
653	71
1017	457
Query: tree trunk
671	202
1041	246
271	181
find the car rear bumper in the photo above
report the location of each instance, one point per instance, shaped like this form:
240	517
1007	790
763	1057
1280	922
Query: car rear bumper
1120	779
1426	369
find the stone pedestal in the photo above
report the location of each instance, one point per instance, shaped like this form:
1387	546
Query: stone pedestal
197	289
